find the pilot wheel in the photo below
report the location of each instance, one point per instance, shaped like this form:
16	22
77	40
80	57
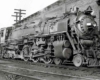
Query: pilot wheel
78	60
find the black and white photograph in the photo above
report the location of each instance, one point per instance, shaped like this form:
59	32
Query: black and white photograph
50	40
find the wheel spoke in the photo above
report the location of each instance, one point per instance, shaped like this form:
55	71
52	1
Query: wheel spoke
26	59
35	60
57	61
47	60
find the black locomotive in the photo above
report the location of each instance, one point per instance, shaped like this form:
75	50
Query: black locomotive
72	37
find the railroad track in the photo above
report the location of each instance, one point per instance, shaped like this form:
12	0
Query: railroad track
64	66
42	71
39	75
42	64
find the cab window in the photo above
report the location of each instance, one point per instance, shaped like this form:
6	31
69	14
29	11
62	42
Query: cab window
2	33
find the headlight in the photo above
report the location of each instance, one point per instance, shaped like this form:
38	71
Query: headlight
88	24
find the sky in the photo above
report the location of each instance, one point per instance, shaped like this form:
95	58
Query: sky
31	6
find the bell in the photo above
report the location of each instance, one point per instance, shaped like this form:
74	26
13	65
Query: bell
88	10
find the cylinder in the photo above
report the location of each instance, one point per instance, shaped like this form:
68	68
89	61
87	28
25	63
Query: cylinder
67	53
66	43
61	52
86	42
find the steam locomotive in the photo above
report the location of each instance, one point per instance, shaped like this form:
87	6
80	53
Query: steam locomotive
72	37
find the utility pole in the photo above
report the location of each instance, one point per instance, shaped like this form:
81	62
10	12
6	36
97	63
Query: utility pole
18	14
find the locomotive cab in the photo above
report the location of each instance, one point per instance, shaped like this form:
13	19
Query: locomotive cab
4	36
